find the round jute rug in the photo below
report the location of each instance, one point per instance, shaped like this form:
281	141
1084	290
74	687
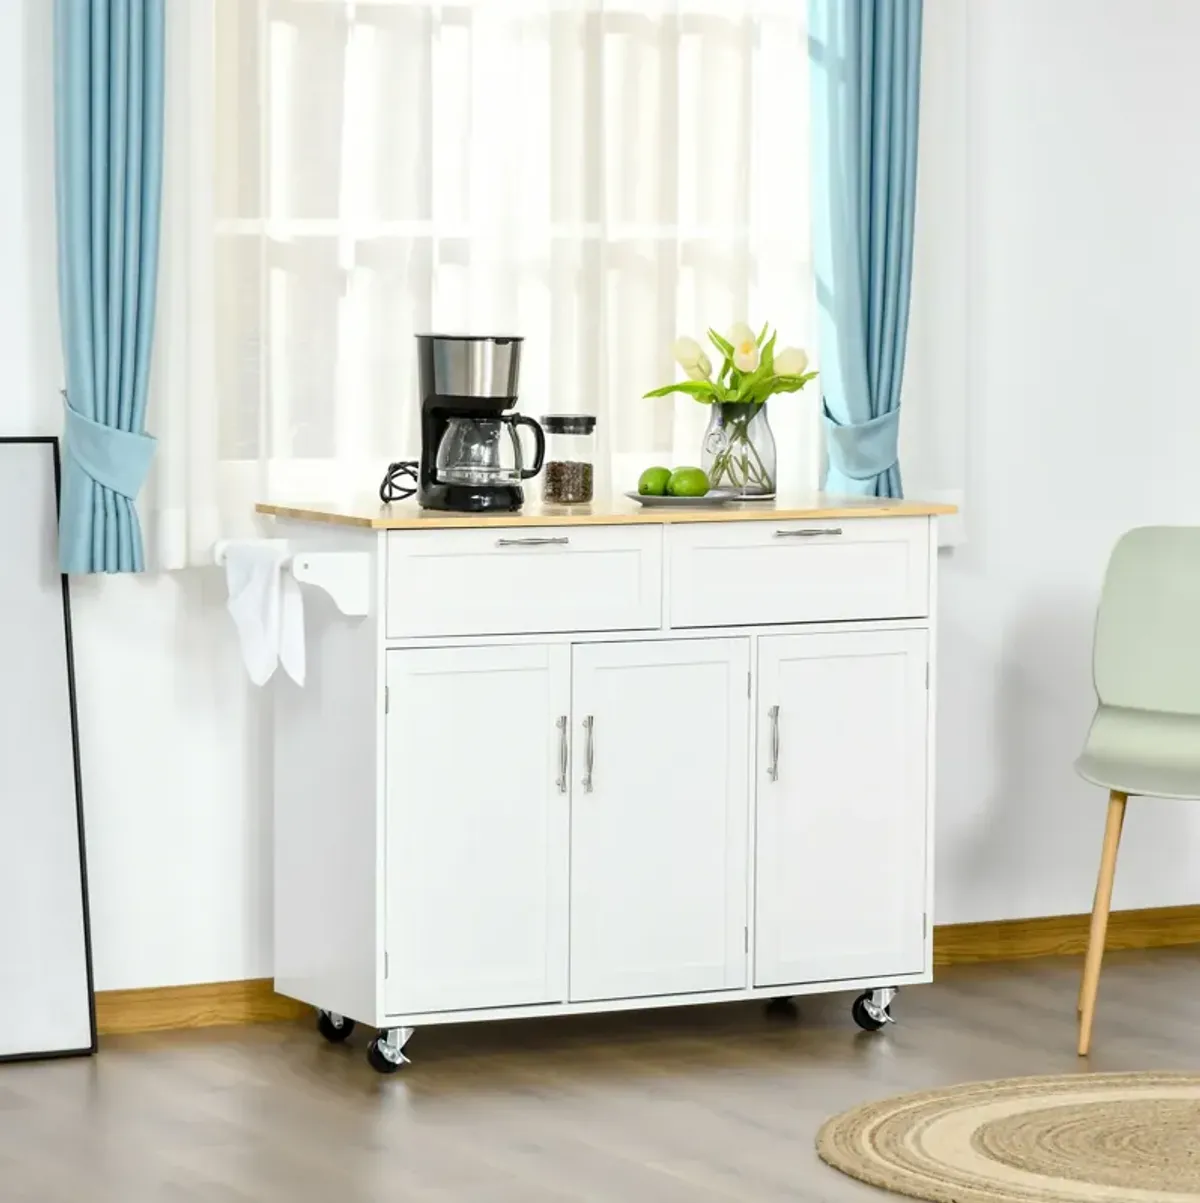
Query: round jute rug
1077	1139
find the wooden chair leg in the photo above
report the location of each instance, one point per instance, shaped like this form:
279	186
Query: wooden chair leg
1079	1003
1099	930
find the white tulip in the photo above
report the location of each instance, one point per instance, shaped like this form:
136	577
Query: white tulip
687	352
791	361
740	333
701	369
745	355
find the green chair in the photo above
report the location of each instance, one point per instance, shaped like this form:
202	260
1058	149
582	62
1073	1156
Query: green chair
1145	737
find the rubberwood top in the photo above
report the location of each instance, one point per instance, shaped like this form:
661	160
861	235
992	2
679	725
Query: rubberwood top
407	515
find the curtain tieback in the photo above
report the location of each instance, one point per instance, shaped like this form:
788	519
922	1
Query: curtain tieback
863	450
117	459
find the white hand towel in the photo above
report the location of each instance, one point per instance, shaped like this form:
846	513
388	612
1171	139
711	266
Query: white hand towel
267	607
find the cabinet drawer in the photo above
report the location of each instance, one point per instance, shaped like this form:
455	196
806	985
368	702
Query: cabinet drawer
742	573
510	580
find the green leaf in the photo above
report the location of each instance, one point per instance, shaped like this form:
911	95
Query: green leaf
702	390
789	384
763	333
767	364
722	345
725	375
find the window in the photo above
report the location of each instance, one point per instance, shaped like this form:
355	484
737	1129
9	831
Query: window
597	177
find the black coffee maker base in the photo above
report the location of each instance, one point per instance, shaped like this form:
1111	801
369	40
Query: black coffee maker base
472	499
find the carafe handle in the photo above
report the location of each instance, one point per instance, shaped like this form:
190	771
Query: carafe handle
539	436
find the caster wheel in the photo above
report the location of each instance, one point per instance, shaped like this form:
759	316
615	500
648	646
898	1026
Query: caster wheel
868	1015
335	1028
379	1061
782	1008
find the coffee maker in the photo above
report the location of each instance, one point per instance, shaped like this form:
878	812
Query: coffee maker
471	453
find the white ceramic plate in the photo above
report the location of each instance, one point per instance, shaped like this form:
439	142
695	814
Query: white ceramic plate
711	498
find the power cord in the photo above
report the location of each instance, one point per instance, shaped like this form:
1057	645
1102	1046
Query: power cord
391	489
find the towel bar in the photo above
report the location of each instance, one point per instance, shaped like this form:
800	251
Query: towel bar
344	575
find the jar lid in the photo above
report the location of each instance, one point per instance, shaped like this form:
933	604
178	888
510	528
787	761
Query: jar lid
568	423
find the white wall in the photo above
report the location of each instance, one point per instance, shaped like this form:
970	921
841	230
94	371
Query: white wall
175	780
1082	306
1060	294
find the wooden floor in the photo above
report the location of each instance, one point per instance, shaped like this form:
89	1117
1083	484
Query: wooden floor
707	1103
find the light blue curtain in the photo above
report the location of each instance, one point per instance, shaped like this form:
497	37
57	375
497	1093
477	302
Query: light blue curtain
865	68
108	83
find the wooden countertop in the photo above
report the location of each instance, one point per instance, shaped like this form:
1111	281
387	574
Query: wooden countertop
407	515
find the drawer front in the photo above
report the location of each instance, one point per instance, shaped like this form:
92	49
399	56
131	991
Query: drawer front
743	573
515	580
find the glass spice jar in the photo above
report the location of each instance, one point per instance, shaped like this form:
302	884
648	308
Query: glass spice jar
569	475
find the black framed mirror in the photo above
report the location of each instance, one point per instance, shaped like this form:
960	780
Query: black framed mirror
47	1005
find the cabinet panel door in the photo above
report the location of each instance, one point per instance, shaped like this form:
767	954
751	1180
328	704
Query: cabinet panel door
659	818
476	827
841	806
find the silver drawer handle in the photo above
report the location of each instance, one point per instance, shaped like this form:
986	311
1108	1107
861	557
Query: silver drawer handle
562	753
544	541
588	754
808	532
773	767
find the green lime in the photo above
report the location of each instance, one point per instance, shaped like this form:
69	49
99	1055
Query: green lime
687	482
653	482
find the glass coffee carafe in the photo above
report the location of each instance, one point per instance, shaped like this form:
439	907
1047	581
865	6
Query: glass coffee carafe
487	451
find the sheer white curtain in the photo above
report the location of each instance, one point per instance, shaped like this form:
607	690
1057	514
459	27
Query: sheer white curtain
596	175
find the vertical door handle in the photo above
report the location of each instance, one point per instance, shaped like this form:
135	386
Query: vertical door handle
773	767
588	753
562	753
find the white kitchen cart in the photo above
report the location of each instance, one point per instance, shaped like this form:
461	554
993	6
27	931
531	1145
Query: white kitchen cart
547	763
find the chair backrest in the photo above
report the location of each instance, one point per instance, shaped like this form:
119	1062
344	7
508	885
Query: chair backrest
1147	649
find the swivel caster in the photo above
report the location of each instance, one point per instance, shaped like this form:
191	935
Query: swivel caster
334	1027
384	1053
871	1009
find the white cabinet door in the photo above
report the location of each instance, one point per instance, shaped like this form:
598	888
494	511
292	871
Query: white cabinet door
841	806
659	818
477	827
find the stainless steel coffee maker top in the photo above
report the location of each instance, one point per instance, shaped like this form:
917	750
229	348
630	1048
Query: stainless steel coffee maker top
476	366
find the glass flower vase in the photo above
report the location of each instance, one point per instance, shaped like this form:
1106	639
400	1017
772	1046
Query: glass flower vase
739	449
